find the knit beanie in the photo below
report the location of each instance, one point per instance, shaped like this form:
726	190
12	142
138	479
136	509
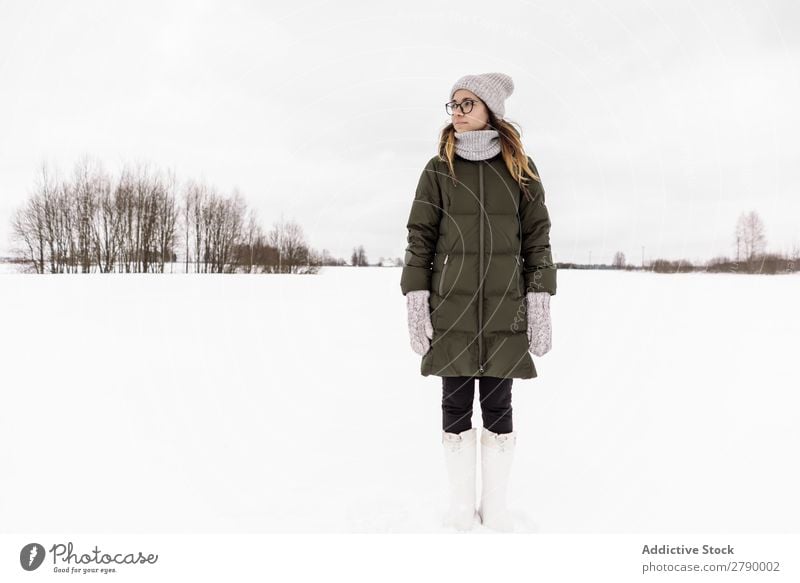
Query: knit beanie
492	88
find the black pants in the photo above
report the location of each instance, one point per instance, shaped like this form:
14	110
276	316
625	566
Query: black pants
458	394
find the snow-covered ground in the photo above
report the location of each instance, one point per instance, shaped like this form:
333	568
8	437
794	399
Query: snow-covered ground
238	403
6	267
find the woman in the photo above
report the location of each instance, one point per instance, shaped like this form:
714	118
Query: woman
478	276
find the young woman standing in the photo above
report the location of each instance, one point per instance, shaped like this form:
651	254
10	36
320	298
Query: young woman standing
478	276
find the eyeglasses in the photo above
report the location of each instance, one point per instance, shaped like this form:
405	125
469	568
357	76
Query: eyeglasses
465	106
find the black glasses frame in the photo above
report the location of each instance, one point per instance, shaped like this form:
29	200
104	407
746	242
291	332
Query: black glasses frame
450	106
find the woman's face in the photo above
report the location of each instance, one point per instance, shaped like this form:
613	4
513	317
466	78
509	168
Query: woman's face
475	119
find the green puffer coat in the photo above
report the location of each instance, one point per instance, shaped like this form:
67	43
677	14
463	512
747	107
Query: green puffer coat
478	246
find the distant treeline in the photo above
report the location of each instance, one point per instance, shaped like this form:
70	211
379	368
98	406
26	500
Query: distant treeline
765	264
135	222
749	242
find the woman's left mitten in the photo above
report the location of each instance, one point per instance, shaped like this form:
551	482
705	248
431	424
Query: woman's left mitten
420	328
539	329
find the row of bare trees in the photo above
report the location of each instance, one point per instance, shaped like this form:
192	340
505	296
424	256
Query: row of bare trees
134	223
70	226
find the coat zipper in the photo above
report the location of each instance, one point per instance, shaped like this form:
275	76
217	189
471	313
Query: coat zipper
441	279
480	274
520	276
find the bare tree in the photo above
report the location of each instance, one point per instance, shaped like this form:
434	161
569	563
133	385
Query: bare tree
29	224
251	236
83	203
216	227
166	220
293	252
105	225
145	219
59	221
196	197
750	238
228	232
359	257
619	260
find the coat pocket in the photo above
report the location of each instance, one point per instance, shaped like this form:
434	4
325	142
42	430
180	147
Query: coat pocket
520	276
443	275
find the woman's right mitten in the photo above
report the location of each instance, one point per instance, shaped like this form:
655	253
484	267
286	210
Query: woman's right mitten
420	328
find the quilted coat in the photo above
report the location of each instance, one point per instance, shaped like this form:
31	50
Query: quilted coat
478	245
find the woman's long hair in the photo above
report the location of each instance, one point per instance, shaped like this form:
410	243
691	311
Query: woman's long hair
510	147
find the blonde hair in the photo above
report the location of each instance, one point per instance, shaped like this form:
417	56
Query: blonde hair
510	147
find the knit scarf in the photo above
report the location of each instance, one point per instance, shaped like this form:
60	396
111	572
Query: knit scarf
478	144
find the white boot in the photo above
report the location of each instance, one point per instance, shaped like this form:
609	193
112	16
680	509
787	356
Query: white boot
497	451
460	453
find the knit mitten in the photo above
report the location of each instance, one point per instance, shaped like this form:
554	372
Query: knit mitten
539	329
420	328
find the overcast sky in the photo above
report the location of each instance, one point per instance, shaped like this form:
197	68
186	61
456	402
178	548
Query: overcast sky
652	124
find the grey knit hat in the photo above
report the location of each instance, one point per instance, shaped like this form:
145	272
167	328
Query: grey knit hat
492	88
